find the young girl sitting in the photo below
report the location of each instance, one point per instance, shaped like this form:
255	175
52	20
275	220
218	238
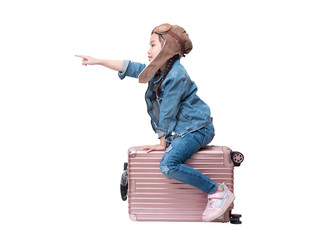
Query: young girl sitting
179	117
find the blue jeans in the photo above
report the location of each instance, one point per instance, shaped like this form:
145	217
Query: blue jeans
181	149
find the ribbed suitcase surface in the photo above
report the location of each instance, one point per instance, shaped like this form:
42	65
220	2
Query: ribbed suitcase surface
154	197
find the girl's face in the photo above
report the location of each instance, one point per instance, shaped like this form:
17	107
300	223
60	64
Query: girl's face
155	46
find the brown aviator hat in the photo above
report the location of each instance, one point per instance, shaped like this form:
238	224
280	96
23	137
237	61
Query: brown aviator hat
176	42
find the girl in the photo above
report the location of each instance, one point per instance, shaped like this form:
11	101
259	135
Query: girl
179	117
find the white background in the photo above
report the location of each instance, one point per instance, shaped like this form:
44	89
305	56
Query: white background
65	128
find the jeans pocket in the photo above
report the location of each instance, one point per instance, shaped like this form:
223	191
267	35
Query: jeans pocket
169	148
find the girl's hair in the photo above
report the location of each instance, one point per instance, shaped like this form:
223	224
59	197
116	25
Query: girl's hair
167	70
161	39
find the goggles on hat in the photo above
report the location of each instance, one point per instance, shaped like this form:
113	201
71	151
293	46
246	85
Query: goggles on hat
165	28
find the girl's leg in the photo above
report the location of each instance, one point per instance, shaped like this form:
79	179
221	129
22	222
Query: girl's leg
181	149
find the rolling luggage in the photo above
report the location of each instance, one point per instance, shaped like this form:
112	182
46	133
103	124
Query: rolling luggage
154	197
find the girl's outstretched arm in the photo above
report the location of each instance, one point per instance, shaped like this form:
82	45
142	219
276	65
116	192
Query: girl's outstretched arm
112	64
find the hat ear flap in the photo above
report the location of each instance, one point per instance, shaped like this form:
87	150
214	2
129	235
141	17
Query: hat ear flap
162	57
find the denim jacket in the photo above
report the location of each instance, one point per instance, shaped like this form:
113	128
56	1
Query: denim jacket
177	110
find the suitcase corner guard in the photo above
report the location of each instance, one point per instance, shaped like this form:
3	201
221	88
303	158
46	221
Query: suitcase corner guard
132	153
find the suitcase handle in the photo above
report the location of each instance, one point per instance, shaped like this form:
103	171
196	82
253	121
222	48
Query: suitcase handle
124	183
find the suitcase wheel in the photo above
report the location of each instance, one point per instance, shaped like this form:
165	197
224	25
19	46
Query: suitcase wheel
124	183
235	218
237	158
124	192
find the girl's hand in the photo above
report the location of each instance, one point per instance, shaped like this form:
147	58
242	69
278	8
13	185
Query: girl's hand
151	148
159	147
87	60
112	64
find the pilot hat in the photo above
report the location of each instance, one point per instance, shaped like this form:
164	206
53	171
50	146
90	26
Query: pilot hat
176	41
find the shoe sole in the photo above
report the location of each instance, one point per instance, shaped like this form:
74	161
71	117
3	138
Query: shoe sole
231	199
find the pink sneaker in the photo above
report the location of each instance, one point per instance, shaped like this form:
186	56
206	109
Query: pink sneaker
218	203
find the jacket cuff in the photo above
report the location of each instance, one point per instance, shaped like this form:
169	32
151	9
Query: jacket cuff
160	134
123	72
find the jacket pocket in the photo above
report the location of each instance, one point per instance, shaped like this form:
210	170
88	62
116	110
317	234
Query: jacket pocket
184	123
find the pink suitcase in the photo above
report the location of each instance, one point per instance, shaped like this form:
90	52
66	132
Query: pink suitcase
154	197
